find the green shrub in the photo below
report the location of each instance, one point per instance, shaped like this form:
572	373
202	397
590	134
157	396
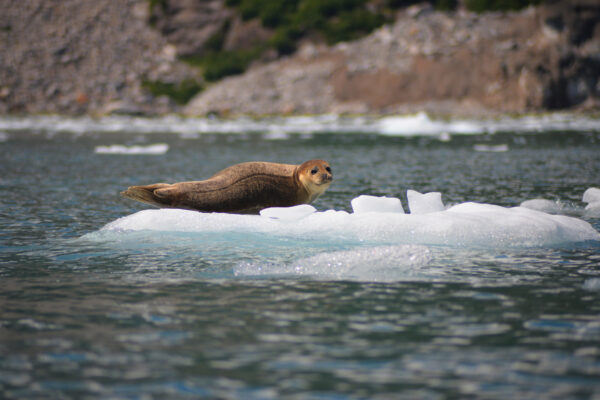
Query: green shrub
498	5
157	3
335	19
401	3
446	5
351	25
217	65
284	40
180	92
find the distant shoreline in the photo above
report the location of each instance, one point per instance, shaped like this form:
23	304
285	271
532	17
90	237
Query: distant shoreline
281	127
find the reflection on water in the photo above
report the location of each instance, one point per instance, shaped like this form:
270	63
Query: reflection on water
180	315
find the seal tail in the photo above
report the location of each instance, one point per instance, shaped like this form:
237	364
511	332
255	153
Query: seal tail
145	194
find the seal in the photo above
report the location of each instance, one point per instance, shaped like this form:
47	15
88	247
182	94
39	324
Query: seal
242	188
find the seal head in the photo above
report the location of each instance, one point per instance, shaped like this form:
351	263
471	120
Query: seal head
315	176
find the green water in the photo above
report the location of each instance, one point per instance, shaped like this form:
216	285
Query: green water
163	315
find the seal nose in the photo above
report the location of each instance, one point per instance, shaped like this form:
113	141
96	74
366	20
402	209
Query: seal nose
327	177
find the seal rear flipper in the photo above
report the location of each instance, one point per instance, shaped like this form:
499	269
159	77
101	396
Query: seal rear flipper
145	194
166	192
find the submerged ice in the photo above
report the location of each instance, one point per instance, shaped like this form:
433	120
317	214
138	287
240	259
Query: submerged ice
380	263
381	221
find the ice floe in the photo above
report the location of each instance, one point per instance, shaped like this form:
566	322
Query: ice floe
465	224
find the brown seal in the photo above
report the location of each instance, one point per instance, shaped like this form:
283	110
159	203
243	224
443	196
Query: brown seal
242	188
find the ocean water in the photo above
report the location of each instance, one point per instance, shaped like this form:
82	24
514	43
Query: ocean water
101	297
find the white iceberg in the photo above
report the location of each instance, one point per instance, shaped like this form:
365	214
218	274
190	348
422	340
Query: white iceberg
465	224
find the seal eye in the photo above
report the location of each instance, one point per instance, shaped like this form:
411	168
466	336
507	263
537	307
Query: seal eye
314	170
328	169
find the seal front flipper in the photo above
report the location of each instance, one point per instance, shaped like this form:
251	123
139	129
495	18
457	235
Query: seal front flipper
146	194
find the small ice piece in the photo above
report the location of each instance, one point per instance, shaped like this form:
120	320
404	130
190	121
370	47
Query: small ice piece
158	148
288	213
365	203
498	148
444	137
276	135
593	210
419	203
592	284
591	195
547	206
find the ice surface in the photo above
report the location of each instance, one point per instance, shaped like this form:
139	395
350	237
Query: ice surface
158	148
465	224
288	213
591	195
419	203
380	263
365	204
547	206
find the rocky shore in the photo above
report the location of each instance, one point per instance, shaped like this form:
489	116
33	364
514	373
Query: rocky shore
81	56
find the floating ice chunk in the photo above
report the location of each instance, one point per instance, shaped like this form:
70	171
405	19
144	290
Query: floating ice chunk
548	206
592	284
365	203
593	209
497	148
380	263
158	148
421	124
419	203
276	135
288	213
444	137
466	224
591	195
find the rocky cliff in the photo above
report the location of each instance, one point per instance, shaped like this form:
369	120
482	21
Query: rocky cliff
545	58
74	56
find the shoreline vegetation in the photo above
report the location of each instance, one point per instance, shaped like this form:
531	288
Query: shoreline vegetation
300	57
